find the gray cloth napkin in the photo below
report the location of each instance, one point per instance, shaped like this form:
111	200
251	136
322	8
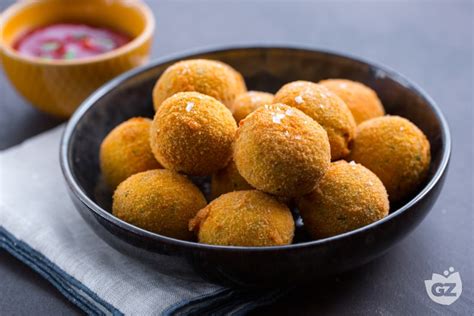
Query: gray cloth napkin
39	225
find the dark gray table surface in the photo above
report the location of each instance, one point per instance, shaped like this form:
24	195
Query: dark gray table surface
431	42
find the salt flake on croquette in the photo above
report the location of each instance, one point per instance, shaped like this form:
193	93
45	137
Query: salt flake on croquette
247	102
324	107
271	161
189	106
277	118
192	133
299	99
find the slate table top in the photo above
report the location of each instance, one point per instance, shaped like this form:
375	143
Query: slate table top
430	42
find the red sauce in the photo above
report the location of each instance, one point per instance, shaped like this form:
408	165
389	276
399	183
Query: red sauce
69	41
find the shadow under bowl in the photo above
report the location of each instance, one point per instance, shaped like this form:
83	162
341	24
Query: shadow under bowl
266	69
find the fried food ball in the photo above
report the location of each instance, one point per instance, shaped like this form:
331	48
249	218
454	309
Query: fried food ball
282	151
126	151
247	102
244	218
349	196
210	77
324	107
160	201
193	133
395	150
227	180
241	87
360	99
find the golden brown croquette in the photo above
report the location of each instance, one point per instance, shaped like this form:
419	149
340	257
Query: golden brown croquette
396	151
244	218
324	107
282	151
361	100
209	77
126	151
227	180
240	86
247	102
160	201
193	133
349	196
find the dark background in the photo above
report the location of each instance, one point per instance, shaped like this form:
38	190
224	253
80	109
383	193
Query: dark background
431	42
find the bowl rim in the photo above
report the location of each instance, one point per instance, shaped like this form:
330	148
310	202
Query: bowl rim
136	42
102	91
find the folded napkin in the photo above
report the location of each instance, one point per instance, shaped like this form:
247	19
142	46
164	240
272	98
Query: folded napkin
39	226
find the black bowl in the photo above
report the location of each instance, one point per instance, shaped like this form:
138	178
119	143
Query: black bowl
267	69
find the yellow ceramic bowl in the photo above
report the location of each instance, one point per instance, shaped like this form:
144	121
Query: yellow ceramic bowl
59	86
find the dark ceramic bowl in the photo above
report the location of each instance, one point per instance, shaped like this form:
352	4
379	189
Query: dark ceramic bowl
267	69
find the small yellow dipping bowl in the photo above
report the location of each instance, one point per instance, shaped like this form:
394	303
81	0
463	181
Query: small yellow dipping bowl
59	86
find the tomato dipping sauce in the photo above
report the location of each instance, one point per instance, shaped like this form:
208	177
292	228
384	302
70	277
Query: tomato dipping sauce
69	41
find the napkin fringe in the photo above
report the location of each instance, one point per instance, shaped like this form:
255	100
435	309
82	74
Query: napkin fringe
135	280
223	301
71	288
226	302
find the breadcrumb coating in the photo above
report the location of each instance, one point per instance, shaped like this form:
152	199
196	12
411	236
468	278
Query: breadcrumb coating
396	151
247	102
160	201
126	151
361	100
282	151
192	133
244	218
326	108
227	180
349	196
209	77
